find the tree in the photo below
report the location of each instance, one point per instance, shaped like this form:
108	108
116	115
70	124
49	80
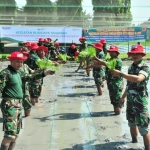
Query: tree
146	23
7	12
69	12
38	12
112	12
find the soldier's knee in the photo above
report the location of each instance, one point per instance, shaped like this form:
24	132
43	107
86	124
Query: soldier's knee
144	130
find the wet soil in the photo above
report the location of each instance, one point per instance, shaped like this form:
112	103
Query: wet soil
71	116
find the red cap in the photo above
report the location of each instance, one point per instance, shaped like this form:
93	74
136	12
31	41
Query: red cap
137	49
42	48
103	41
82	39
34	46
26	54
73	46
28	44
17	56
56	44
45	40
41	40
49	39
76	54
113	48
98	46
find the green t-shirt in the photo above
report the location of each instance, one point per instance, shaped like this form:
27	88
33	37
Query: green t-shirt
13	87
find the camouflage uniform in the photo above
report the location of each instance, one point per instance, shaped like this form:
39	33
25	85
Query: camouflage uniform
114	84
25	87
105	50
35	86
137	96
12	95
99	73
82	46
87	60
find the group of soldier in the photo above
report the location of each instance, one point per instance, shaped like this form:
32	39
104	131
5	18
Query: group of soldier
17	90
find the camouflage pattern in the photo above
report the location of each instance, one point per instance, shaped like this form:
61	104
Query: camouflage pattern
137	96
11	108
35	86
12	117
99	73
105	50
115	84
25	87
31	62
82	46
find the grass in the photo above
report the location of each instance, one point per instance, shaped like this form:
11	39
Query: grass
125	56
144	43
4	56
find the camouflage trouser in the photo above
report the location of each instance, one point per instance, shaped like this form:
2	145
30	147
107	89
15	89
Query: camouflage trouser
115	93
137	113
35	90
99	77
12	117
26	103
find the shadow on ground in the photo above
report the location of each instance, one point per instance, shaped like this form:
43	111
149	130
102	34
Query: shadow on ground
71	116
105	146
77	95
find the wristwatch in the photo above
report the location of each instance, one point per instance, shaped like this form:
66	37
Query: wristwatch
121	74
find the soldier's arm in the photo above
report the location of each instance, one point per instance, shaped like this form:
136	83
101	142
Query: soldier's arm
36	76
143	74
3	80
100	61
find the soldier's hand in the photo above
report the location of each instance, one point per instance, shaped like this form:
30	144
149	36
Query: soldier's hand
121	101
49	72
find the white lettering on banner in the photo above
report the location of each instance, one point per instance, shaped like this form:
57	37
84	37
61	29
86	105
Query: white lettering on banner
32	34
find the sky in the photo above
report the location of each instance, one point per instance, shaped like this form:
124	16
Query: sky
140	9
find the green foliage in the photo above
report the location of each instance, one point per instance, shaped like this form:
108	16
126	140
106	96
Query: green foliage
111	63
38	11
44	64
88	52
68	11
7	11
63	57
112	12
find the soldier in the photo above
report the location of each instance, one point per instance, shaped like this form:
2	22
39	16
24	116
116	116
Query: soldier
98	70
103	41
83	44
28	45
57	46
12	94
33	57
82	47
26	102
71	51
137	95
40	42
35	86
114	84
